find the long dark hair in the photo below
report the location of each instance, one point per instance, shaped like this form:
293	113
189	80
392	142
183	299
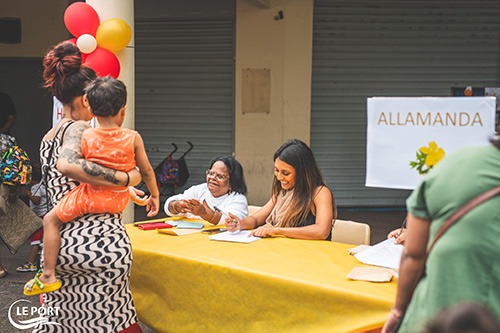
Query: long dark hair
63	72
308	178
236	177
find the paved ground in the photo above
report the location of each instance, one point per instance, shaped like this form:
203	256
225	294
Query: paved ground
381	222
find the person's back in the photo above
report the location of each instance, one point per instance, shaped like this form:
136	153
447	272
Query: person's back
463	264
109	146
94	257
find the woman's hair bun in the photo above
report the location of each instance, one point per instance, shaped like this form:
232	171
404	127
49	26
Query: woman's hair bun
62	60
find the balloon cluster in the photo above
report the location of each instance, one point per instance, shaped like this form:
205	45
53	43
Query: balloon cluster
97	40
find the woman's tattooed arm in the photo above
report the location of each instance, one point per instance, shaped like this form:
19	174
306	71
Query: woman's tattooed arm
72	164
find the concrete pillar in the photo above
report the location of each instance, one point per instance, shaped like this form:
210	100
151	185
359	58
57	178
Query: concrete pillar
122	9
283	47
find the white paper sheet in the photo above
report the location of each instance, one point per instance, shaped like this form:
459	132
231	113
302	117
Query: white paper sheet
385	254
242	236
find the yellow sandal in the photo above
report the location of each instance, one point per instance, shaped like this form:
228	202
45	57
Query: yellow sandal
35	286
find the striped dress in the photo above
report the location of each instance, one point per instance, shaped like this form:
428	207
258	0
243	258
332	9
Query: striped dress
94	264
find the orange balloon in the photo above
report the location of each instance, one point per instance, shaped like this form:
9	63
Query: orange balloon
113	34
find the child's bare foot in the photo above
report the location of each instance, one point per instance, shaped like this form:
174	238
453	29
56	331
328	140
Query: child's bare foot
47	278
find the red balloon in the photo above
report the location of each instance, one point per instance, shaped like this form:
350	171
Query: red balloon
104	62
80	18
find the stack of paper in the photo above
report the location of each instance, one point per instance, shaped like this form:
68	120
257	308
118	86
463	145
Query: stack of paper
384	254
177	232
242	236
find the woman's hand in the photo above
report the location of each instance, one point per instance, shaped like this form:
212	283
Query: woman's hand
265	231
179	206
399	234
197	208
391	322
233	223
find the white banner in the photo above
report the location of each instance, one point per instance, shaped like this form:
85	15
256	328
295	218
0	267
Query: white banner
57	112
399	128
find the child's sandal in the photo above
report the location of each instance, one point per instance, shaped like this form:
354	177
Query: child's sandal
35	286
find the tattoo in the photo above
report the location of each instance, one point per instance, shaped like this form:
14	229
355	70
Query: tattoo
72	153
96	170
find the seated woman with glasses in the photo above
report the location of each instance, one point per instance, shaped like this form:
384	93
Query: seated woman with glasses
223	192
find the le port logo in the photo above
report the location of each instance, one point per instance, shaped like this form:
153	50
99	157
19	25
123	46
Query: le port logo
24	315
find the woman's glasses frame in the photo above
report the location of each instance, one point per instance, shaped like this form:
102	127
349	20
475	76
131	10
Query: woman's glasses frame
216	175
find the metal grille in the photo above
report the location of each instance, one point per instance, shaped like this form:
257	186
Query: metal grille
184	90
368	48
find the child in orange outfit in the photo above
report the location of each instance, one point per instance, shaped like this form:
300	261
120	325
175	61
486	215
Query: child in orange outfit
109	145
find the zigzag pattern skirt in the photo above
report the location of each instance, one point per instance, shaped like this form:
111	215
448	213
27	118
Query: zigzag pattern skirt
94	266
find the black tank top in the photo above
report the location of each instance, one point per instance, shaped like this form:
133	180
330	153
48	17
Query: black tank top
311	219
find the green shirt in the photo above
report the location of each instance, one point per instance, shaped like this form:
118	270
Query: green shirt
465	263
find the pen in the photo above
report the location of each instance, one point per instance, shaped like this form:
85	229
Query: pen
217	209
403	225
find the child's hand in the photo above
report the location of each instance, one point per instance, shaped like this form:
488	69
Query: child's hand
153	206
137	196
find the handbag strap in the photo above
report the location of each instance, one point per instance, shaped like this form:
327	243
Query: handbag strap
476	201
462	211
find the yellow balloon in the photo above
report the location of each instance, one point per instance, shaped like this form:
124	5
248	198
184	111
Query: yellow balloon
113	34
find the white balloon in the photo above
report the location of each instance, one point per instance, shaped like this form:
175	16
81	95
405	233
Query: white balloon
86	43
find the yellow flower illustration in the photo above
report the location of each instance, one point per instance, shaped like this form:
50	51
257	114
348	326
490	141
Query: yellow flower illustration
433	152
427	157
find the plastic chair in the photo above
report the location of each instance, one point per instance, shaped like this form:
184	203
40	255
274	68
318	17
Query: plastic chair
252	209
351	232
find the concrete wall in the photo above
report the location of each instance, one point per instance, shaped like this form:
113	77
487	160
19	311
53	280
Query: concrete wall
285	48
42	26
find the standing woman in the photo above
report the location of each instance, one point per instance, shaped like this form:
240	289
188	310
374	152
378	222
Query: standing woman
464	264
301	205
95	256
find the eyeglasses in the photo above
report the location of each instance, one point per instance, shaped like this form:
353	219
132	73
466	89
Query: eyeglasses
218	176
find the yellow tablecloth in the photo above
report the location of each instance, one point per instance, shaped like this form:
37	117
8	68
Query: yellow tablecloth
191	284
